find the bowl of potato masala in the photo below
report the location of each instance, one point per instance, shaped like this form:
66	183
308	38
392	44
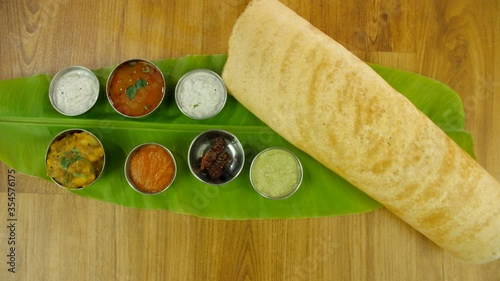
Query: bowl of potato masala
75	159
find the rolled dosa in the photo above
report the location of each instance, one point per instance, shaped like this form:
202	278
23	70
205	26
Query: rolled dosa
331	105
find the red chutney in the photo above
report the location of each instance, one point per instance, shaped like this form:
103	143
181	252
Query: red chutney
136	88
152	168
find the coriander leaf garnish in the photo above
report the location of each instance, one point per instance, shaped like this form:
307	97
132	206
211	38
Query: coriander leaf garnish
145	69
69	157
140	84
132	90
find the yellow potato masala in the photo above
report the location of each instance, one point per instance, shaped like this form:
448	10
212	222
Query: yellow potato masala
75	160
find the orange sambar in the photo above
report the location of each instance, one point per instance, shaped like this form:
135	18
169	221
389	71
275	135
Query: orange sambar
136	88
152	168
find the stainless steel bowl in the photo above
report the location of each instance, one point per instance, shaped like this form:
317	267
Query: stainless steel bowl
79	80
202	143
113	72
127	168
196	104
68	132
276	170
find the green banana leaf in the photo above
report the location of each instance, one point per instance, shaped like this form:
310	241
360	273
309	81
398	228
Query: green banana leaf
28	123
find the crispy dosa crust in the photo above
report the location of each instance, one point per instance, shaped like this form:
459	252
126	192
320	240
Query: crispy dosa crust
331	105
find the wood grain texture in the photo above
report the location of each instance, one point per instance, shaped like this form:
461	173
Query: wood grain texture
61	236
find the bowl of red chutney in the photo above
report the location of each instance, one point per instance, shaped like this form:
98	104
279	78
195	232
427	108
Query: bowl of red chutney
150	168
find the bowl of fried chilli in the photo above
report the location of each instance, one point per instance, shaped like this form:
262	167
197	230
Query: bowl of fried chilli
216	157
135	88
75	159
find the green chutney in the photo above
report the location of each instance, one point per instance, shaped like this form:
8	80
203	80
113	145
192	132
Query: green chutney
276	173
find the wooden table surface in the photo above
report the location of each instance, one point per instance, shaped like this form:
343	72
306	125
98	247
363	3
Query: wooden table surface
61	236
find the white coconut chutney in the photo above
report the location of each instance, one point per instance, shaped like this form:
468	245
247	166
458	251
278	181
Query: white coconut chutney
74	91
200	94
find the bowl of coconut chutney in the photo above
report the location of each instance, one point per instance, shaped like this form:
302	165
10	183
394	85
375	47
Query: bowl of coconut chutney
200	94
74	90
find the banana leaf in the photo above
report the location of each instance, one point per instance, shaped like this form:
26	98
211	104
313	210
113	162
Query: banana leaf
28	123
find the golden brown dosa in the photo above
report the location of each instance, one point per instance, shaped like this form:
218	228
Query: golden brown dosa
328	103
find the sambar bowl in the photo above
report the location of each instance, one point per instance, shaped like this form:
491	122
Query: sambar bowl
135	88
